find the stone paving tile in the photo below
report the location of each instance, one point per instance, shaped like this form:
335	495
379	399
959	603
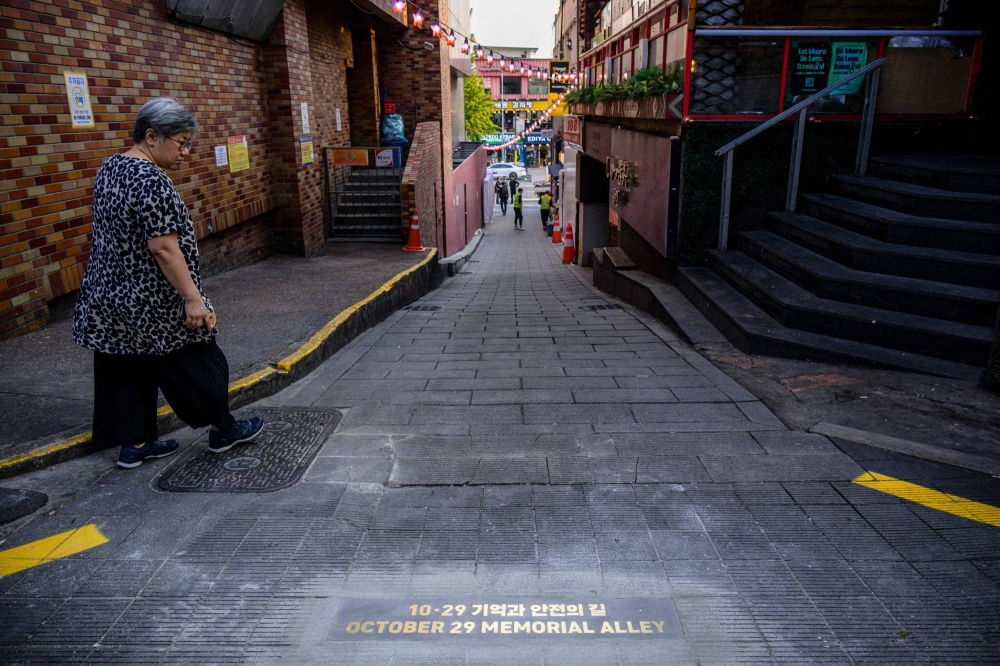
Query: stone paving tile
514	444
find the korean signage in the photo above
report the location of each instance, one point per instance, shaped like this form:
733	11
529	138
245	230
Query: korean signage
479	619
532	138
78	94
521	104
573	130
558	67
350	157
306	146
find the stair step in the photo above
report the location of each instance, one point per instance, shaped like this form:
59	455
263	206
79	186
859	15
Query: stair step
868	254
895	227
827	279
754	332
795	307
958	173
921	200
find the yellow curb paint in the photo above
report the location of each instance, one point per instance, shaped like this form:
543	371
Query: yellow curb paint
935	499
283	366
50	549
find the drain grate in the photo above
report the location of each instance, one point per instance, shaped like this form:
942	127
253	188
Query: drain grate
595	308
275	460
422	308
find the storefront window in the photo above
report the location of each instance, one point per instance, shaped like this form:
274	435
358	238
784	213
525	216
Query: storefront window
656	51
536	87
512	86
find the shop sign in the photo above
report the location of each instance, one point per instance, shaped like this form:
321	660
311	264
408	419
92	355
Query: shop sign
350	157
622	175
535	138
558	67
573	130
811	67
848	57
497	139
383	157
521	105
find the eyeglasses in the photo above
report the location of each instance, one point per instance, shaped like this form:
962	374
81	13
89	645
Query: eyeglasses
184	146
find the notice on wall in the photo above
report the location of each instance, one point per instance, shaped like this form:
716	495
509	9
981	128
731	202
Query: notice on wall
810	67
78	94
306	146
221	156
350	156
383	157
339	126
304	108
239	153
848	57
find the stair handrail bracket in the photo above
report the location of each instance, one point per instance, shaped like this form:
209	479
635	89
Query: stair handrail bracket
870	72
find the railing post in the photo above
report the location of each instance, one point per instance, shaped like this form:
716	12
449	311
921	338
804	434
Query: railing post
867	121
798	132
727	191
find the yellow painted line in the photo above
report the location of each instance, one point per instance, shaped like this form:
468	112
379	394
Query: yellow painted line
935	499
50	549
283	366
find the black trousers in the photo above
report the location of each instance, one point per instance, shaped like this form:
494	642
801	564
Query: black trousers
194	379
545	216
518	217
503	205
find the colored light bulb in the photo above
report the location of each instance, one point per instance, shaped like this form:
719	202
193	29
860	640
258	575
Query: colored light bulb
398	6
489	59
450	38
436	29
418	19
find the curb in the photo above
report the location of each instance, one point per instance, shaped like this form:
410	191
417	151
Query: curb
401	290
455	262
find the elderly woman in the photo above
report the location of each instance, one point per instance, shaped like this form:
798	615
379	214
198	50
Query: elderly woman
141	306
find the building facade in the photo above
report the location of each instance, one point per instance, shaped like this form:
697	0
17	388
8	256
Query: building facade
321	73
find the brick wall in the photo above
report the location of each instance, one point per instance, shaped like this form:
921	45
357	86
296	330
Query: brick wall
132	51
422	184
362	86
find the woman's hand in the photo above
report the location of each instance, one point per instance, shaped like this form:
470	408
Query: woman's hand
197	315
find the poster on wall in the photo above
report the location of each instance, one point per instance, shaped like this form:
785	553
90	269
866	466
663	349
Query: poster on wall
221	156
383	157
304	111
558	67
810	67
848	57
78	94
239	153
306	146
350	157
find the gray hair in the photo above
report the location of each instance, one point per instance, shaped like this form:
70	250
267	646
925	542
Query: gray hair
165	116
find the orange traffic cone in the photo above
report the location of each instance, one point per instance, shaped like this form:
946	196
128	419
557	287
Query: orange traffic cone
556	231
569	248
413	245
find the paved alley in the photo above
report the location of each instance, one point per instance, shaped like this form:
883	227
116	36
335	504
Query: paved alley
513	470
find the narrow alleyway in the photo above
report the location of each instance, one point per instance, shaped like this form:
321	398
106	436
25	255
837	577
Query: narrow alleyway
514	440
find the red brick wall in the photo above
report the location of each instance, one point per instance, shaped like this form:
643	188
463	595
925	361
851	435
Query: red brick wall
422	184
240	246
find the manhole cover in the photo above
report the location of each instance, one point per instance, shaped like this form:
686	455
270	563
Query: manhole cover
423	308
276	459
595	308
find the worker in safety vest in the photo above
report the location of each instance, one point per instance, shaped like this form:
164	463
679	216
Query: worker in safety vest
545	204
518	214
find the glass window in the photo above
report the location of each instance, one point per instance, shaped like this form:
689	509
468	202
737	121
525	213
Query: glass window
627	65
512	86
613	70
536	87
656	51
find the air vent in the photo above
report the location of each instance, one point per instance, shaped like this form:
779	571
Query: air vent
422	308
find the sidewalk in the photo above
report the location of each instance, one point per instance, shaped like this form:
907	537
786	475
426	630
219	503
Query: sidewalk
266	311
516	470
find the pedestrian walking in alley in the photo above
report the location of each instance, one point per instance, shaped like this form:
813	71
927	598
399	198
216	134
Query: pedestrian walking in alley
141	307
544	205
499	186
513	186
518	209
502	192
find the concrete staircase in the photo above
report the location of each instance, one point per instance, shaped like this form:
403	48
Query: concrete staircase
898	269
368	206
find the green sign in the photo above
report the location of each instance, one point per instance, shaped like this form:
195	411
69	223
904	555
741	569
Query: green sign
810	67
848	57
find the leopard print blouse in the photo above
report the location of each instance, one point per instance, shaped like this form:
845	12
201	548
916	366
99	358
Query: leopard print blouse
126	304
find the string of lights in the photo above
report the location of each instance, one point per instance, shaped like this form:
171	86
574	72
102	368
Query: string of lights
443	31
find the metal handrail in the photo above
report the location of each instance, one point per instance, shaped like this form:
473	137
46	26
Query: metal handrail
808	101
871	73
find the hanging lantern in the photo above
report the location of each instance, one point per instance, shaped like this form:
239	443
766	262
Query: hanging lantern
522	70
436	29
418	19
398	6
489	59
512	67
479	51
465	47
450	38
503	61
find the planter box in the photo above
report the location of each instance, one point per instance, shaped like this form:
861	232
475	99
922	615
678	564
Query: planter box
669	106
